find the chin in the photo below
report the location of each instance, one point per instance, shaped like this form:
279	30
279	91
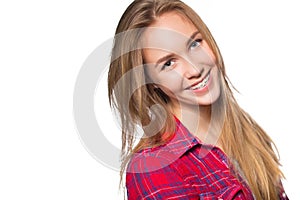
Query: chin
209	99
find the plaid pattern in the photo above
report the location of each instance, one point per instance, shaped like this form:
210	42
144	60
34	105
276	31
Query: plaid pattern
184	168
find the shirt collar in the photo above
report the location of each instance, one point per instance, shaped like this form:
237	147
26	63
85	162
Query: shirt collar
155	158
182	140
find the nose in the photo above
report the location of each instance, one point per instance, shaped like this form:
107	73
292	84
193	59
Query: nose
192	71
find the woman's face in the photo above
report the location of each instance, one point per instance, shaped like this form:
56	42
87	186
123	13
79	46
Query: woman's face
179	61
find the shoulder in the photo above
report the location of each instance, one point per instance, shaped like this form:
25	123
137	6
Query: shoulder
153	173
151	159
161	183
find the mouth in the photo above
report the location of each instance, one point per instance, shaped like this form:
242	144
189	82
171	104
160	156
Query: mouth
200	84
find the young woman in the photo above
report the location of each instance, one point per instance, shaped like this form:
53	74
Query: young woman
167	77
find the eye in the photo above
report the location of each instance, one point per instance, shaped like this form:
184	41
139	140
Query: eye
167	64
195	43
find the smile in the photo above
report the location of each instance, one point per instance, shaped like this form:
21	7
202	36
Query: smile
201	84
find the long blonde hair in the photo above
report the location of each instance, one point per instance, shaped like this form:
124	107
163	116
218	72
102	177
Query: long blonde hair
242	139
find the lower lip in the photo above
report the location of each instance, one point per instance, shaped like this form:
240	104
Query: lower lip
205	88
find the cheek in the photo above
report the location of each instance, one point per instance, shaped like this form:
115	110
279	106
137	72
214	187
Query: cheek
170	82
210	53
151	75
217	82
167	80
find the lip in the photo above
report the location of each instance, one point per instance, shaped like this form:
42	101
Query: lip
196	83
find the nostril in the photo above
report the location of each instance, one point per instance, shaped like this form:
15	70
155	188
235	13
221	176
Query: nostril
192	71
197	72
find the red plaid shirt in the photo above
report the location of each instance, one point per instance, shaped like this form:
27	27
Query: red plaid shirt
184	168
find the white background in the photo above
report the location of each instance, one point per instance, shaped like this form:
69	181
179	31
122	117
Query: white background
43	46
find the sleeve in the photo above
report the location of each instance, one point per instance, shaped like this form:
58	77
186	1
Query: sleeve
160	184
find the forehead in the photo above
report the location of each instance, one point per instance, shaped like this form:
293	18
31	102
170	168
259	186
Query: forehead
173	22
169	33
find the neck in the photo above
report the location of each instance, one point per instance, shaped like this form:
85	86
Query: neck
197	119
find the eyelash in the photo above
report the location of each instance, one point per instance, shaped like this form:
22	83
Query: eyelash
166	63
199	40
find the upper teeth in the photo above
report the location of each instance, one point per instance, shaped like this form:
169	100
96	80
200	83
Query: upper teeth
202	84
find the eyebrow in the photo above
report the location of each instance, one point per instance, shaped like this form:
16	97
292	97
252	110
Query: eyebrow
192	37
166	57
169	56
